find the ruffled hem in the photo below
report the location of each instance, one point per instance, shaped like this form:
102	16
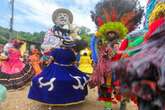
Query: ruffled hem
61	105
17	80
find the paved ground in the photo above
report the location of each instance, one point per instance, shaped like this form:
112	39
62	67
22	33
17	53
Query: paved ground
17	100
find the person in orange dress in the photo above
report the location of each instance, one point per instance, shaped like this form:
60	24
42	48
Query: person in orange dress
35	61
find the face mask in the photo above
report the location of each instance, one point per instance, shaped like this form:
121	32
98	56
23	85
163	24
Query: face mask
112	37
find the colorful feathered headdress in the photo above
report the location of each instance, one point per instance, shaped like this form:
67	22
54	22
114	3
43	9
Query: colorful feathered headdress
159	11
121	16
156	20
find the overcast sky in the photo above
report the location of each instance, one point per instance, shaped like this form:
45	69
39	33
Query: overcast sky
35	15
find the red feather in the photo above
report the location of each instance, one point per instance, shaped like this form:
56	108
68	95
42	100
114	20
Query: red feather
113	14
153	27
108	18
100	22
126	18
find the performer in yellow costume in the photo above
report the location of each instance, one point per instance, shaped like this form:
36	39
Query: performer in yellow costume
85	63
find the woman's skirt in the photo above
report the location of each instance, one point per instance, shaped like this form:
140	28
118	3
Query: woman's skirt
18	80
59	86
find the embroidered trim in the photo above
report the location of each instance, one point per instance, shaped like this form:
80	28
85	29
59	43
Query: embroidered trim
63	64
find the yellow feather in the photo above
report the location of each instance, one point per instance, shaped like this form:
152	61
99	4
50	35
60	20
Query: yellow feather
159	11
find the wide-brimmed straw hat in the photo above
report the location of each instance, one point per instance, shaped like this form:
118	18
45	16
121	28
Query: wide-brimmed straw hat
62	10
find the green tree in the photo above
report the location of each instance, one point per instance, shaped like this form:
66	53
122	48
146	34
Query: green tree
85	34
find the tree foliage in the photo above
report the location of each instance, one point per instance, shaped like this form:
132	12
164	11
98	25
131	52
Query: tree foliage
85	34
37	37
31	37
